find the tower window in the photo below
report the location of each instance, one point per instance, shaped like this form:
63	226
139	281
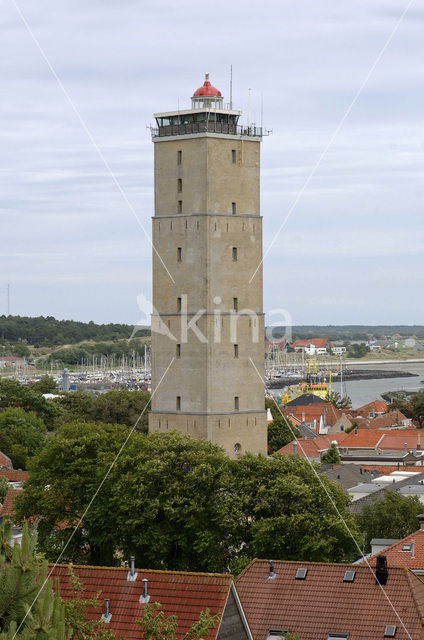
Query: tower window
178	404
235	254
235	304
236	350
180	185
180	206
233	208
233	156
179	254
178	304
236	403
179	157
178	351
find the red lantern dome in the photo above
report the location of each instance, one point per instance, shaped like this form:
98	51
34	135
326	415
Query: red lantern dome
207	89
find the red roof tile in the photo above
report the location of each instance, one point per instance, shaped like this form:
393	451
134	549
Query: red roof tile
7	508
319	343
314	412
185	595
312	447
14	475
412	558
323	602
5	461
391	419
376	406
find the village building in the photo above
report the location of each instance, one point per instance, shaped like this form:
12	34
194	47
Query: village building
125	591
318	601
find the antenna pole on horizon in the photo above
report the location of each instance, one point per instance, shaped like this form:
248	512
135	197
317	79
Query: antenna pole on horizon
8	299
231	87
262	111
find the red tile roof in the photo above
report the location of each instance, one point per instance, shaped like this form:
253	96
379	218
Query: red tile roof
393	418
314	412
7	508
182	594
319	343
312	447
376	406
14	475
323	602
385	439
10	359
5	461
413	559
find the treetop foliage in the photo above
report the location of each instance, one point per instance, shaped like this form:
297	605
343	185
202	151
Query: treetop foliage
179	503
49	332
393	516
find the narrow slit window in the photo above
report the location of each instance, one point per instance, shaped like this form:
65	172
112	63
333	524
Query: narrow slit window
178	351
236	403
233	208
179	157
178	304
178	404
180	206
233	156
234	254
179	185
235	304
236	352
179	254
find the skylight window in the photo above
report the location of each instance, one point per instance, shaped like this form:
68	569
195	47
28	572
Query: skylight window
301	574
406	547
390	631
349	576
335	635
277	634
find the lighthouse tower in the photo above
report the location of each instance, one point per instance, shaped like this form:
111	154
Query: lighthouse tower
207	323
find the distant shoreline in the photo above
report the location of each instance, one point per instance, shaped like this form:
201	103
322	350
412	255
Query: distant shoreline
358	374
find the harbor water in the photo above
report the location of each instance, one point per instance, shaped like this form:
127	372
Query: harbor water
363	391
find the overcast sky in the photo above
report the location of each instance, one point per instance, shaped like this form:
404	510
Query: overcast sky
352	250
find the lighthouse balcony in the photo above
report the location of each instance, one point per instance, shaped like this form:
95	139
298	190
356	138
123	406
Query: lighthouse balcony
228	128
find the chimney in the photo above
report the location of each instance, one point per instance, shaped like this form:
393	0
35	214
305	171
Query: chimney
272	573
381	571
295	447
419	442
421	520
132	575
144	595
106	615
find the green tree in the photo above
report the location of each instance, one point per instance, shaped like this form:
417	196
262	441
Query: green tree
155	626
76	405
178	503
280	433
331	456
22	434
338	401
4	488
21	350
123	407
393	516
276	504
22	577
14	394
45	385
417	404
29	607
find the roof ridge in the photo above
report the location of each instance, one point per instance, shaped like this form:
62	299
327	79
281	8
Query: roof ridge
311	562
161	571
412	581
